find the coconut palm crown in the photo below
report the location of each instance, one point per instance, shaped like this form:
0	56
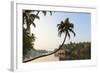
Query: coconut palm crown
65	27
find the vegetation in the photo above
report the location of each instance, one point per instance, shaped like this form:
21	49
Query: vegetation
71	51
64	27
27	42
28	38
75	51
30	15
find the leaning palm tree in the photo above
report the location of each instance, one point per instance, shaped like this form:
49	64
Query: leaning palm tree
65	27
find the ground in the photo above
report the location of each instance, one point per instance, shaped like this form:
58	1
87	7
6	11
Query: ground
45	59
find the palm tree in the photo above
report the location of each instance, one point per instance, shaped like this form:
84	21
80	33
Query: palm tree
64	27
28	38
29	17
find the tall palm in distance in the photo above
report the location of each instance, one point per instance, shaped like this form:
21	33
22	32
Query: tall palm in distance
65	27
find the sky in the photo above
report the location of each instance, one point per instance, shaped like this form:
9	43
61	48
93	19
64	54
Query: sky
46	29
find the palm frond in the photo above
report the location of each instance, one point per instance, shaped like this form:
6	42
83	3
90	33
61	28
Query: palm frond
59	34
50	12
28	11
34	16
33	24
68	34
62	22
58	25
66	21
71	25
44	12
72	32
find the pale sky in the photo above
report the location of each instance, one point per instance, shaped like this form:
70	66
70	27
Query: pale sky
46	29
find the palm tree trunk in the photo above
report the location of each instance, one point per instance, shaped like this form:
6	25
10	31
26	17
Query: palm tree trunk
49	53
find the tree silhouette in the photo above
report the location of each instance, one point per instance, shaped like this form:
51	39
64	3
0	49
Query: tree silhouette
28	38
29	17
64	27
27	42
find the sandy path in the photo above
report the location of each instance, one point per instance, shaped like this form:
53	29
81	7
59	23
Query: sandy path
44	59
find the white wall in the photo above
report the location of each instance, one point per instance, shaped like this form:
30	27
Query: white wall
5	35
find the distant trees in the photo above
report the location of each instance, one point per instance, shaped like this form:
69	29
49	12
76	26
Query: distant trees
75	51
